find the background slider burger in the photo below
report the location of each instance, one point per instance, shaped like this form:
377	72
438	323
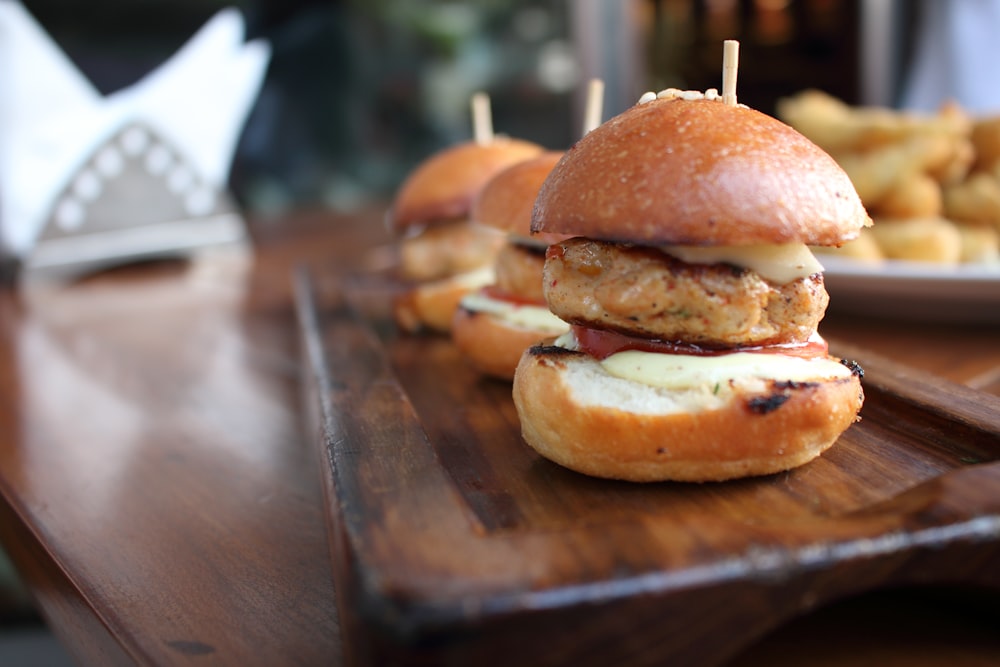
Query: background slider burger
442	252
694	352
497	322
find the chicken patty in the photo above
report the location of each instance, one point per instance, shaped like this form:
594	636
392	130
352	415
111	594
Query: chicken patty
447	249
645	292
519	270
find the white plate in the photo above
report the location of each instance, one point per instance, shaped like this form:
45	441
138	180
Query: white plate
967	293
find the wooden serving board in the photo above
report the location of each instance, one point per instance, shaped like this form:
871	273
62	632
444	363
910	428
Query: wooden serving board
452	542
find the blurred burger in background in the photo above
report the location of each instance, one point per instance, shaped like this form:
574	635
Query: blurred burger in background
443	253
495	323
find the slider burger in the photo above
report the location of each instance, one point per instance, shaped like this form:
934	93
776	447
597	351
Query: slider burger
693	299
497	322
442	253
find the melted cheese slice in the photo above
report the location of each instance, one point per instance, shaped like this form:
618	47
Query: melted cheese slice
780	263
526	316
475	278
684	371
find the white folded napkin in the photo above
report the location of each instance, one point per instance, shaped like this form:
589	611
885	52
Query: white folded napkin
55	126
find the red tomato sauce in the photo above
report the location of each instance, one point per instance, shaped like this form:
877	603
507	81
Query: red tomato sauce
602	344
494	292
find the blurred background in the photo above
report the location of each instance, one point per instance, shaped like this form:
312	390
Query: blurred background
359	91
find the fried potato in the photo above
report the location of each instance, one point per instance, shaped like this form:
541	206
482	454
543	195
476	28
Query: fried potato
916	196
956	167
980	243
874	173
838	127
976	199
832	124
863	249
986	142
930	181
919	239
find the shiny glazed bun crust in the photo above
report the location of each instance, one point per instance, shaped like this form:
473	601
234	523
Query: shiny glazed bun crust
750	434
699	172
444	186
507	200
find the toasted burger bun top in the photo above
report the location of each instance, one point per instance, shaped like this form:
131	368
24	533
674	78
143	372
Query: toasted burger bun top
443	186
699	172
506	201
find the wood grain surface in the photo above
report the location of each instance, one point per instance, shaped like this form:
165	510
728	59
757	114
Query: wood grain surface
453	541
159	499
165	505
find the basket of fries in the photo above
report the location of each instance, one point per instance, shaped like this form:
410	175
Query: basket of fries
930	181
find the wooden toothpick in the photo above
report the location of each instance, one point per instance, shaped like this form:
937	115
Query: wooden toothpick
482	119
730	64
594	110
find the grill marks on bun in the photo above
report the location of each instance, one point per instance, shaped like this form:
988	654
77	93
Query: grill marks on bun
577	415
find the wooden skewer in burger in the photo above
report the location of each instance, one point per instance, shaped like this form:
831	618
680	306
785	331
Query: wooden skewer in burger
494	324
693	354
442	252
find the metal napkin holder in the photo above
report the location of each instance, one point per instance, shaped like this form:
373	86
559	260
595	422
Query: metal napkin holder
135	198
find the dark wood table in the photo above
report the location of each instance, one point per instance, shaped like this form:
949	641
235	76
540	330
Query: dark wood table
162	500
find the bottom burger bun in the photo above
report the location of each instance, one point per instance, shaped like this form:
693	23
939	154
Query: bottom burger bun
431	305
574	412
492	345
492	334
